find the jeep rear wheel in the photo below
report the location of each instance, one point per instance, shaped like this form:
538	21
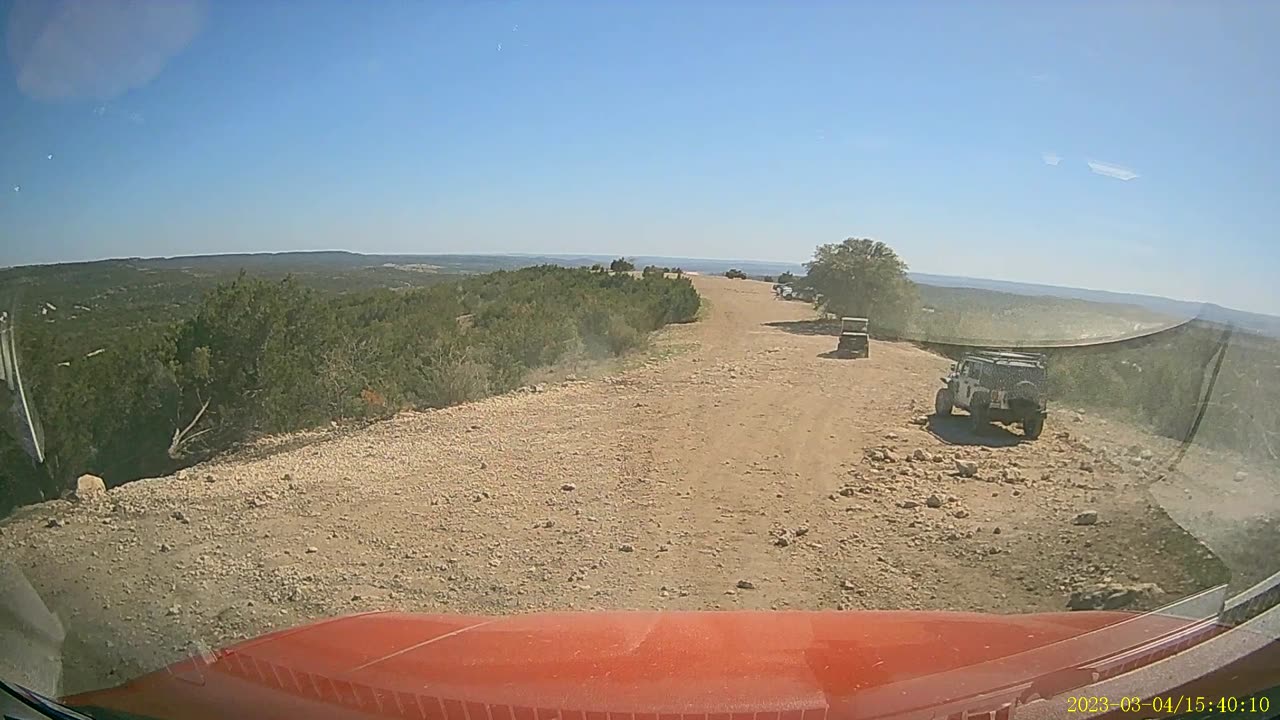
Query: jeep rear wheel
978	416
1032	427
943	403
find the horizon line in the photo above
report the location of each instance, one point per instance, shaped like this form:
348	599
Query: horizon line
589	255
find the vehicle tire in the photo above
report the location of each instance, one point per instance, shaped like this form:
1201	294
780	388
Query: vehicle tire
943	403
1032	427
978	416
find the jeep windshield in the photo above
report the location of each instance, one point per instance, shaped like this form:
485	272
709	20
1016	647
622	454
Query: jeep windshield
537	360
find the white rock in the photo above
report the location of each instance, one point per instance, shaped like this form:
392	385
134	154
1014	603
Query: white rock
1111	596
1085	517
89	487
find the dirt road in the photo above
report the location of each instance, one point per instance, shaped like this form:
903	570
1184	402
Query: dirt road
735	467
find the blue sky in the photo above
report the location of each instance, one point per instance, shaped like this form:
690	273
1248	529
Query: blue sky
1111	145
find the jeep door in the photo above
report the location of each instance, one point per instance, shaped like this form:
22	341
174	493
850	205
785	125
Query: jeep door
964	384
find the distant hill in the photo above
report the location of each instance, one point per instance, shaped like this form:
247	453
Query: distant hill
700	265
1256	322
331	260
994	318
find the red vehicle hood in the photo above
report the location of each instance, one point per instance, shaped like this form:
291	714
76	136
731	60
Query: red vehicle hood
650	665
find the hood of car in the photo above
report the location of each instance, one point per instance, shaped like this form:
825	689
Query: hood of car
649	664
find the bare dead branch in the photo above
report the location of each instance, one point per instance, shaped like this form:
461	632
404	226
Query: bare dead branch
184	436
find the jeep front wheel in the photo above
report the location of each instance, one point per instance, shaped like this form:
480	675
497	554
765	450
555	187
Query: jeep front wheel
1032	427
943	403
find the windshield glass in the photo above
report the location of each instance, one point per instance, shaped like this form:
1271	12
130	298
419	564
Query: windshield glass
490	309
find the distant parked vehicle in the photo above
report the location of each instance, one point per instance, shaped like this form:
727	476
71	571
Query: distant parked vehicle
854	342
803	294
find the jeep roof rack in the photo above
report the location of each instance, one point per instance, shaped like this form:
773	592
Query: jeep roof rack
1009	356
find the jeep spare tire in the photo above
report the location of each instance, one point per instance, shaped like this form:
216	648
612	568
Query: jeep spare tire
1026	390
943	403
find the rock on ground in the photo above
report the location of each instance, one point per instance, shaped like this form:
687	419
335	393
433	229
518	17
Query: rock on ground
89	487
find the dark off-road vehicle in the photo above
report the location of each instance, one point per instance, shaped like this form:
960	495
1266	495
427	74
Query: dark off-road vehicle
855	340
1003	387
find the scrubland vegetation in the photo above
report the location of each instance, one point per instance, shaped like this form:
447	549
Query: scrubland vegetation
255	356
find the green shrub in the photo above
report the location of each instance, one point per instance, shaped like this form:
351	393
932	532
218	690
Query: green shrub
621	337
259	356
453	374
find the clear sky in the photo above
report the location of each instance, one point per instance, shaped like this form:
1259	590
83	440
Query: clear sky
1112	145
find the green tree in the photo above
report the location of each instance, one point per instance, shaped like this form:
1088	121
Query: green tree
863	278
249	361
621	265
786	278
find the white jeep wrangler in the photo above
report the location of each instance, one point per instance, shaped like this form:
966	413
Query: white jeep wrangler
1003	387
